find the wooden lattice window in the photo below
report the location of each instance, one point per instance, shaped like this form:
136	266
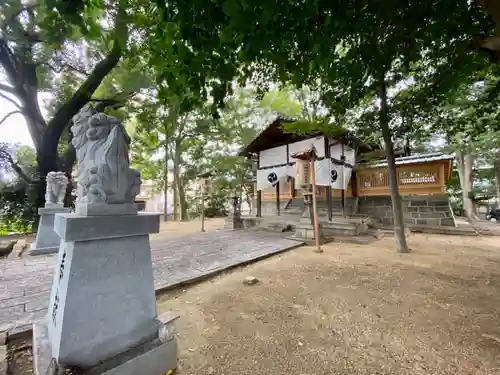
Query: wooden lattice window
417	177
375	178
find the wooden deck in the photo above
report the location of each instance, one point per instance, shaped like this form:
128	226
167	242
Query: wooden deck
25	282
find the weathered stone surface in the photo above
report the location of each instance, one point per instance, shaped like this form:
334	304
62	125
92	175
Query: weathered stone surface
448	222
6	247
156	360
151	358
102	151
102	300
55	189
18	249
428	210
3	351
3	360
305	232
250	280
71	227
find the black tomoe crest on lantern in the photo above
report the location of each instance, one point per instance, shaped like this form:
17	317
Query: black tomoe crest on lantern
334	175
272	177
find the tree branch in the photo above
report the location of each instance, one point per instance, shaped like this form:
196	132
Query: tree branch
7	88
10	100
115	102
16	167
68	66
85	91
8	115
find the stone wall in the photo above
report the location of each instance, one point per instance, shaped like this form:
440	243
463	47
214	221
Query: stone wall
417	210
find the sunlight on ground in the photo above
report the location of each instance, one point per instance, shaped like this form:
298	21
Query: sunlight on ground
355	309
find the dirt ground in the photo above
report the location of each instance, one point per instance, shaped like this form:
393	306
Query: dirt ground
355	309
180	228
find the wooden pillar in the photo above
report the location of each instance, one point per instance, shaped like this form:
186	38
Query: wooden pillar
314	204
329	199
342	192
259	192
354	184
259	203
354	190
278	208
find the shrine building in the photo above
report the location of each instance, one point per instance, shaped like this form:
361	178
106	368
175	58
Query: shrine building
350	180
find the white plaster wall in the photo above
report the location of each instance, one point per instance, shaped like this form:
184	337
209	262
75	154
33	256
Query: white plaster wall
349	153
273	156
319	145
317	142
296	147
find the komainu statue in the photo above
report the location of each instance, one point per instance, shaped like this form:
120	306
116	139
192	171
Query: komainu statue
56	189
102	151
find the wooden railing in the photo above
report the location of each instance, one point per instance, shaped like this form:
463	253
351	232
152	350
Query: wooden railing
418	179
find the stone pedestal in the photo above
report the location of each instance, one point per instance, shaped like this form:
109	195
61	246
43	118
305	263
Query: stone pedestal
234	220
47	241
102	310
304	231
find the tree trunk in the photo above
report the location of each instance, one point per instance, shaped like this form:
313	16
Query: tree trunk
165	184
465	163
397	206
496	166
182	202
181	194
21	73
176	201
497	180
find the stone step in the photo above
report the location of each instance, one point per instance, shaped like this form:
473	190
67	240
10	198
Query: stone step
275	226
360	240
349	219
340	224
332	232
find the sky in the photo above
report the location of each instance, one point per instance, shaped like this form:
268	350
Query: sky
14	129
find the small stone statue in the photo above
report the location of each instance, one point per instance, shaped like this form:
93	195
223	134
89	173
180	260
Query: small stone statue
56	189
102	149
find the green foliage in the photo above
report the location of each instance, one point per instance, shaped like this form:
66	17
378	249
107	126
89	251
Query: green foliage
282	102
199	44
18	212
18	215
215	205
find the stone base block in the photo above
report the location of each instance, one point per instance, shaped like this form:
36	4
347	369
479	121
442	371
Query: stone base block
47	241
305	232
102	301
98	209
234	222
43	250
74	227
154	357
